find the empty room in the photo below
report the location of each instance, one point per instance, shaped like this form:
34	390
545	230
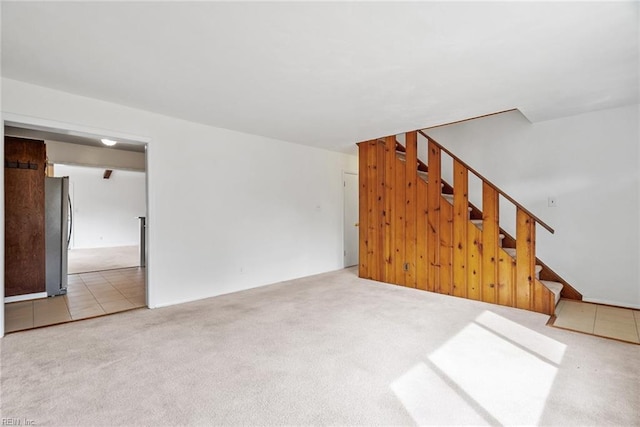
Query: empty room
356	213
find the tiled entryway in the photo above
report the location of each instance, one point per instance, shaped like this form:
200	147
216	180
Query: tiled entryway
88	295
602	320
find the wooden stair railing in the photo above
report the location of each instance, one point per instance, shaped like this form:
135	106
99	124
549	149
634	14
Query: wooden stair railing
487	182
411	235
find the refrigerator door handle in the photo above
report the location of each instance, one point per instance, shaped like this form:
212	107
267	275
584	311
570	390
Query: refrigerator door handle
70	221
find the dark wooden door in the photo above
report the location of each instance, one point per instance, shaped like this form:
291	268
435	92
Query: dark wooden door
24	216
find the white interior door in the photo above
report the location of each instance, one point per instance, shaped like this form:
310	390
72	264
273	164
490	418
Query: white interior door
351	215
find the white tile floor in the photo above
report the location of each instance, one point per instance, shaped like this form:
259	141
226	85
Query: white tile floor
602	320
101	259
88	295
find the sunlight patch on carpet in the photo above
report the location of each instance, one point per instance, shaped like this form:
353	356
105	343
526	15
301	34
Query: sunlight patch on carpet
430	400
493	371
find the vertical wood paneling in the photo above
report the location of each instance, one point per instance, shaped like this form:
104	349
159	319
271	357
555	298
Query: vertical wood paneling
543	299
372	223
404	219
379	254
446	247
433	216
460	227
363	206
490	243
525	259
506	279
388	216
474	263
421	239
399	210
411	208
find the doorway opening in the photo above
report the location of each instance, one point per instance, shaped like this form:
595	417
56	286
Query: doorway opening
351	218
101	265
105	207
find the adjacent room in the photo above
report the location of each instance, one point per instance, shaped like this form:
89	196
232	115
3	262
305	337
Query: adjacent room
90	221
108	204
322	213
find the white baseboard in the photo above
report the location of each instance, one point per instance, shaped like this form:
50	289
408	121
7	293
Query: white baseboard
25	297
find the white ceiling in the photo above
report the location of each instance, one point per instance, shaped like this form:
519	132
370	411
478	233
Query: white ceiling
330	74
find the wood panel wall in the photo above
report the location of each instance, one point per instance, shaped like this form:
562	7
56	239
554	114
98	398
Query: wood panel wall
24	217
410	235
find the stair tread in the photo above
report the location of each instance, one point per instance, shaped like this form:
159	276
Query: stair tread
555	287
478	223
510	251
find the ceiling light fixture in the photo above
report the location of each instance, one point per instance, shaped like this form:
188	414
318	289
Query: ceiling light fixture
109	142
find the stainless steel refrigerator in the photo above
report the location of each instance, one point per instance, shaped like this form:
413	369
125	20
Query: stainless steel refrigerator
57	234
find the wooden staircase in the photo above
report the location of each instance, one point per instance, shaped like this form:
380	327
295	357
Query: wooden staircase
419	231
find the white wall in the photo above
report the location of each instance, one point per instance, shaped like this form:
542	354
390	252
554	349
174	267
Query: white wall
105	211
74	154
227	211
591	164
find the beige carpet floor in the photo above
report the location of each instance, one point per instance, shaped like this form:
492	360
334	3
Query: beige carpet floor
100	259
328	349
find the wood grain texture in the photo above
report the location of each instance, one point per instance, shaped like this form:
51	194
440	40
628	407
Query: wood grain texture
547	273
434	192
446	248
490	243
568	291
388	215
399	212
379	254
372	213
525	259
543	298
421	237
506	279
411	208
474	263
24	218
460	228
412	236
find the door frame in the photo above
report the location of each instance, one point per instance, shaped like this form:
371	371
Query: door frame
18	120
344	209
